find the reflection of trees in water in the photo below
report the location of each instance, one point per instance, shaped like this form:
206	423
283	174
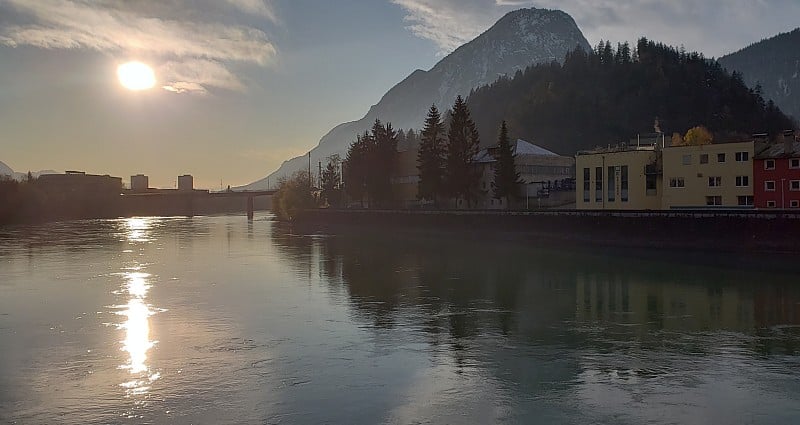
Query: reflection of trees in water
467	288
459	288
72	235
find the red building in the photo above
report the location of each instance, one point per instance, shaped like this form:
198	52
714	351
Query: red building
776	174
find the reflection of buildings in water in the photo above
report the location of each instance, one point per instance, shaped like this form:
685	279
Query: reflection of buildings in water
664	305
776	305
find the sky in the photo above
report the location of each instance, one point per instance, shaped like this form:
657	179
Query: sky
242	85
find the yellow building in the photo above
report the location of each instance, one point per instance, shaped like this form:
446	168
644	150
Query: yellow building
623	177
716	175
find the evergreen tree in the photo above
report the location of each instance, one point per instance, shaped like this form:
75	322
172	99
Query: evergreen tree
411	138
462	176
506	178
431	157
382	154
602	97
331	179
355	168
369	165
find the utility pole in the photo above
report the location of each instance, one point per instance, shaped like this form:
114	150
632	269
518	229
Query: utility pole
309	170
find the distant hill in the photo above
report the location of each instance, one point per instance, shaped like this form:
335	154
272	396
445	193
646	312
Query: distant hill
609	95
519	39
775	65
5	170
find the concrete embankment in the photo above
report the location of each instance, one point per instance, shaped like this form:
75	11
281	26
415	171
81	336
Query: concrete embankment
694	230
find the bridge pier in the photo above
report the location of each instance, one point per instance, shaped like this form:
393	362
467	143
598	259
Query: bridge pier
250	207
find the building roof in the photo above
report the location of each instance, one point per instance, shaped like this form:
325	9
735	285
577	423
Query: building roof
520	148
778	150
622	147
526	148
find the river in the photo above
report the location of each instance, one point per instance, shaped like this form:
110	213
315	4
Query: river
221	320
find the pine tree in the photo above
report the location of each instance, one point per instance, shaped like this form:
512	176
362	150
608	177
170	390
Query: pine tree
431	157
381	162
506	178
355	168
331	190
463	142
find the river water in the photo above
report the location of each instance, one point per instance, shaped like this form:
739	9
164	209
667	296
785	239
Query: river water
218	320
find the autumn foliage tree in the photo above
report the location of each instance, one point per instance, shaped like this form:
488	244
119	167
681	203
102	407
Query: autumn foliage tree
697	136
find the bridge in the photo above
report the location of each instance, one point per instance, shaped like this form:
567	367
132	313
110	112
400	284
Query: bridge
250	194
186	198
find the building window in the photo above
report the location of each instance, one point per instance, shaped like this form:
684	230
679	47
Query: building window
794	203
720	157
769	164
742	156
650	183
794	185
677	182
586	184
611	179
687	159
704	158
713	200
598	185
745	201
623	179
769	186
771	204
714	181
794	163
742	181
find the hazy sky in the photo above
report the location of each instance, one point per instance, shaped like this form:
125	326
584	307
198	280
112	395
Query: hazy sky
245	84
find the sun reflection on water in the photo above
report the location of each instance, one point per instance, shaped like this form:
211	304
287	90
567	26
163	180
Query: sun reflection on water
137	229
137	312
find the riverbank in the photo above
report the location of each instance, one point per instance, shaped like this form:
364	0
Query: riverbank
692	230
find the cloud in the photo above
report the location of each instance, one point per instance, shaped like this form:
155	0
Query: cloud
448	23
256	7
714	27
189	48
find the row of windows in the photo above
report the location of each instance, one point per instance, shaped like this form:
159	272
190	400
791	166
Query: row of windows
741	181
721	157
742	201
794	185
792	204
614	173
769	164
544	169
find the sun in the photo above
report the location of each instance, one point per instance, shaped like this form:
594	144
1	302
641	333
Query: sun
136	76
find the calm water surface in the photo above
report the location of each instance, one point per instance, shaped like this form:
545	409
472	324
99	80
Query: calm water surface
211	320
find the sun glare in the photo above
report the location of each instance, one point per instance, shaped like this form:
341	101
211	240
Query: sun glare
136	76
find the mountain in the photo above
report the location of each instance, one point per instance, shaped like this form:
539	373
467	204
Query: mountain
609	95
518	40
775	65
5	170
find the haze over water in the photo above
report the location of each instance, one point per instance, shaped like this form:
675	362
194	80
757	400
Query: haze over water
211	320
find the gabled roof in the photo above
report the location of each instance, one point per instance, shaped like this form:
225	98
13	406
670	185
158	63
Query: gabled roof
520	148
778	150
526	148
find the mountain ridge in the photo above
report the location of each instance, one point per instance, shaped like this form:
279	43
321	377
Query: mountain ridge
774	64
519	39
